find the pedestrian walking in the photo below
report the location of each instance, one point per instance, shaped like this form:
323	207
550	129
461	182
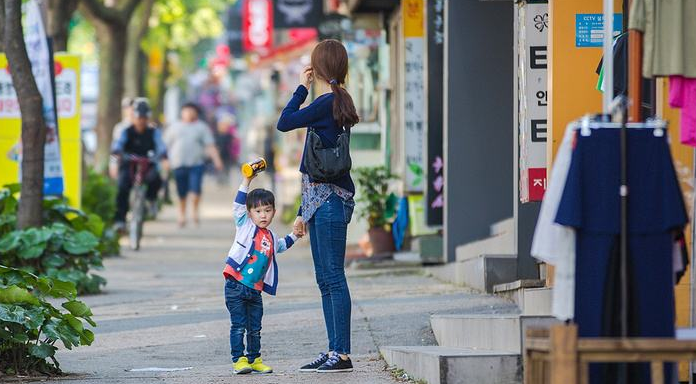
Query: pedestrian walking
327	206
189	141
250	269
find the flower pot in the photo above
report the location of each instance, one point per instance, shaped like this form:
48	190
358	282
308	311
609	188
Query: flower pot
381	240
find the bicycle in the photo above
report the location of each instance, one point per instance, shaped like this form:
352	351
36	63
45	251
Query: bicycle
140	166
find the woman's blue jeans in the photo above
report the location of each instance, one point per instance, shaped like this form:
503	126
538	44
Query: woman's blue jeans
327	235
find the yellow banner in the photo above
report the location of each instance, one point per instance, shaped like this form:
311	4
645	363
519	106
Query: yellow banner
67	71
412	13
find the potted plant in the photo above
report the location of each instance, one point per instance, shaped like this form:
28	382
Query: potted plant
374	201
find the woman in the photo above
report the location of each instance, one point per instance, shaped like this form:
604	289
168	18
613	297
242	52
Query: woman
326	208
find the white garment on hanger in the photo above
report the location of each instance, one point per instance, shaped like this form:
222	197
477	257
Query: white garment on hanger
554	243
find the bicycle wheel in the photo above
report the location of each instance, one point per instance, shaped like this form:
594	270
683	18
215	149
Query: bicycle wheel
138	216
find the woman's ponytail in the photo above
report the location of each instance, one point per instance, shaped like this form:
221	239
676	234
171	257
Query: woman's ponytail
330	62
343	108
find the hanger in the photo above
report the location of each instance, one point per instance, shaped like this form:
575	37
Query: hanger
588	122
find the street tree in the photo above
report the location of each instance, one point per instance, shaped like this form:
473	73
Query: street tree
136	64
59	14
29	213
177	28
110	20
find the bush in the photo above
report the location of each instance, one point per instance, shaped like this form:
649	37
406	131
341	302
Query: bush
65	248
376	203
99	198
30	326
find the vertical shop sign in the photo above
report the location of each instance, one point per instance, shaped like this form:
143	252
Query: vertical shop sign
434	191
233	28
298	13
42	67
257	25
67	86
414	101
533	40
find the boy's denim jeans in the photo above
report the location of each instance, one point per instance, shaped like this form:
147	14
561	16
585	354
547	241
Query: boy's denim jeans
246	310
327	235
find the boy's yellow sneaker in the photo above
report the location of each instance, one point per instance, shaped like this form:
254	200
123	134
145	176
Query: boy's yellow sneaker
242	366
259	367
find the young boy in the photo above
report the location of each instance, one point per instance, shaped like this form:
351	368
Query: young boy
251	268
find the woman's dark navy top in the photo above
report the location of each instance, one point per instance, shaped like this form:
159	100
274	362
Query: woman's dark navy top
317	115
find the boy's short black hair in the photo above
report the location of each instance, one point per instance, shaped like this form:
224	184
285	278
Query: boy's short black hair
260	197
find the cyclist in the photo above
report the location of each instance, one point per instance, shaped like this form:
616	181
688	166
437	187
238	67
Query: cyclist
138	139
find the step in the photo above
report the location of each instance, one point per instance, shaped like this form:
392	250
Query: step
443	365
444	273
429	247
503	226
503	244
485	271
537	301
500	332
515	290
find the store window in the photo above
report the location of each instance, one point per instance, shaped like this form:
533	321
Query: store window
364	71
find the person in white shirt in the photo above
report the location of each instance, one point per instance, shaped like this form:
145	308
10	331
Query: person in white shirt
189	141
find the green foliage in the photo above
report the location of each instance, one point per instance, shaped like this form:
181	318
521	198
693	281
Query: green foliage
30	325
66	248
290	214
99	198
373	194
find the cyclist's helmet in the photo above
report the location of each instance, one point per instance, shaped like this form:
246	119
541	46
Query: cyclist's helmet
141	107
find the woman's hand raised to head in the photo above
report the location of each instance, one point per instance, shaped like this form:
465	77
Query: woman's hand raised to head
307	76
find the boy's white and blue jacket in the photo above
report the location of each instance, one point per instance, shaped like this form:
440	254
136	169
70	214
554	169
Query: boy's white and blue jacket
241	249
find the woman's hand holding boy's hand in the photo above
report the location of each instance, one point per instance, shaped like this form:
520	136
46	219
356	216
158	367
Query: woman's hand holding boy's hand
299	228
307	76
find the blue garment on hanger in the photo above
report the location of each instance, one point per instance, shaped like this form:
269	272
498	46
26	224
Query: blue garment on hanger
400	225
591	204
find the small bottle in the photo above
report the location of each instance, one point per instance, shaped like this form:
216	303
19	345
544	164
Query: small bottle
253	168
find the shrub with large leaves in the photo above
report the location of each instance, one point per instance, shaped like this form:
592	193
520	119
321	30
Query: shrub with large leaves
99	198
66	248
30	325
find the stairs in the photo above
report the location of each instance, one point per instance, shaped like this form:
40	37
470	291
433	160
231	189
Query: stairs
441	365
484	263
480	348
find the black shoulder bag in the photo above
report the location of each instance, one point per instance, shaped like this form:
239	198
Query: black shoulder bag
327	164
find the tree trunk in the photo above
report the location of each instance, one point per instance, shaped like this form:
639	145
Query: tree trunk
134	73
2	25
59	14
111	25
112	44
33	125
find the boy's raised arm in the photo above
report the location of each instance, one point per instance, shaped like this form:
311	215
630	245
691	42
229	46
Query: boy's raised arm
240	210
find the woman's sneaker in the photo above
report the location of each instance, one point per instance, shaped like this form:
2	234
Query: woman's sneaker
312	367
336	364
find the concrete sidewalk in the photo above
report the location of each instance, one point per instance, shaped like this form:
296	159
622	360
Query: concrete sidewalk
163	307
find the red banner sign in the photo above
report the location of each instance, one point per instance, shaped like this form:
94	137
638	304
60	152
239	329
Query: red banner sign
257	25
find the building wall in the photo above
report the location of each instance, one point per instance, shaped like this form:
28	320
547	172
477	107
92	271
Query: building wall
572	78
478	120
